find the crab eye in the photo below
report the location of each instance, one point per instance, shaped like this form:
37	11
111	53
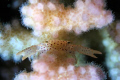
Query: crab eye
68	42
46	41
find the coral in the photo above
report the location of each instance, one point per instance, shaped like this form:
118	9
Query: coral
112	52
50	16
48	67
114	31
112	44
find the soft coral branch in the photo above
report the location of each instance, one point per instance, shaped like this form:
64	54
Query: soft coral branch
49	68
51	16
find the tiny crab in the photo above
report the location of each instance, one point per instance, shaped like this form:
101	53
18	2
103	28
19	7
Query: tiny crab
58	45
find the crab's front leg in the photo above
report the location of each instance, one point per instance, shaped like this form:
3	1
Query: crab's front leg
84	50
34	50
28	51
87	51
